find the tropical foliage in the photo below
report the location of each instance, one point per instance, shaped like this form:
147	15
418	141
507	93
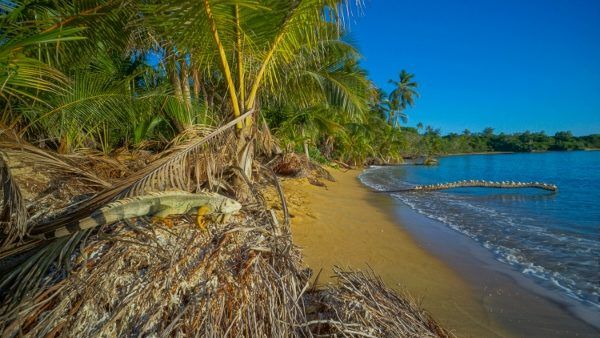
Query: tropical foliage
107	74
85	82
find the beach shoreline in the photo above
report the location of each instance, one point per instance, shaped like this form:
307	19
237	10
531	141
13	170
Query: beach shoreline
518	303
345	224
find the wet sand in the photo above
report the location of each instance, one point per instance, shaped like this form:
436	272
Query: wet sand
459	283
346	225
516	302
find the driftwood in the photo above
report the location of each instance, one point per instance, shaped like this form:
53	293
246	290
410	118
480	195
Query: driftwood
478	184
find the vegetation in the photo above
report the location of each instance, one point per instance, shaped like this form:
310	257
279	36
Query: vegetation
106	99
432	143
111	75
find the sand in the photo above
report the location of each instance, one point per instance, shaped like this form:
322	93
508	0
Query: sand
345	224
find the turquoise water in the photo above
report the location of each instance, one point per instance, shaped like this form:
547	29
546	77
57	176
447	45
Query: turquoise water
552	238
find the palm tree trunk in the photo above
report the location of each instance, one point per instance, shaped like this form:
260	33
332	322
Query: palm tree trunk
185	85
246	160
171	65
64	146
196	83
240	59
224	63
245	147
305	145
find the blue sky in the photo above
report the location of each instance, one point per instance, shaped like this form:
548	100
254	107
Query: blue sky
512	65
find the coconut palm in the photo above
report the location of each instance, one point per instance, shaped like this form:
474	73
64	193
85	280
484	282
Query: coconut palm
402	96
251	46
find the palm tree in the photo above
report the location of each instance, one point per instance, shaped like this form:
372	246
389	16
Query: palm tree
253	46
419	126
402	96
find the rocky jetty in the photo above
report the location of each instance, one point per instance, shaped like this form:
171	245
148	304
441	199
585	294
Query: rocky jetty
479	184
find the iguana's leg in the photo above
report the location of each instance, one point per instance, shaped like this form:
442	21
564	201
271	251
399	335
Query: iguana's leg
200	219
163	216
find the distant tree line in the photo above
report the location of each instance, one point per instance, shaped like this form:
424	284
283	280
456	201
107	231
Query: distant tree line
431	142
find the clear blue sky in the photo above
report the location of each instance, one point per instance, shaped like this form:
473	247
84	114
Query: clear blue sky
510	64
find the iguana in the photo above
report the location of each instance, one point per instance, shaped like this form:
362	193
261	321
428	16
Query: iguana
160	205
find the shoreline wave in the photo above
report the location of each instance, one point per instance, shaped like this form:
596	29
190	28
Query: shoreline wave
552	280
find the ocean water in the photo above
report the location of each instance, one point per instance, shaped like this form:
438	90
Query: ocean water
554	238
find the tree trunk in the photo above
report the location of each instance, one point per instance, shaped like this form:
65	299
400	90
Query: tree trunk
196	80
64	146
244	160
305	145
246	152
185	85
328	147
171	65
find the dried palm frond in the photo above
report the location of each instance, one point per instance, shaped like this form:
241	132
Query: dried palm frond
267	144
238	279
234	280
107	167
13	215
171	171
27	273
40	158
360	304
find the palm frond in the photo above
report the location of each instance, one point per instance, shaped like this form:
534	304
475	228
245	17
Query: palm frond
170	171
29	272
38	158
13	215
25	277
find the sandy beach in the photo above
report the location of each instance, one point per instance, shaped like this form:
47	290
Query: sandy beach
346	225
458	282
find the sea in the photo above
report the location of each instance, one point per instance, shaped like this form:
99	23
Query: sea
552	238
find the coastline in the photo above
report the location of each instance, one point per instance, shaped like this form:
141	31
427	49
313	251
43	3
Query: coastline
344	224
517	302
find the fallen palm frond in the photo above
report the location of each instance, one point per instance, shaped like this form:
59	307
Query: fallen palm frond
360	304
170	171
24	275
13	215
181	168
66	165
238	279
234	280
